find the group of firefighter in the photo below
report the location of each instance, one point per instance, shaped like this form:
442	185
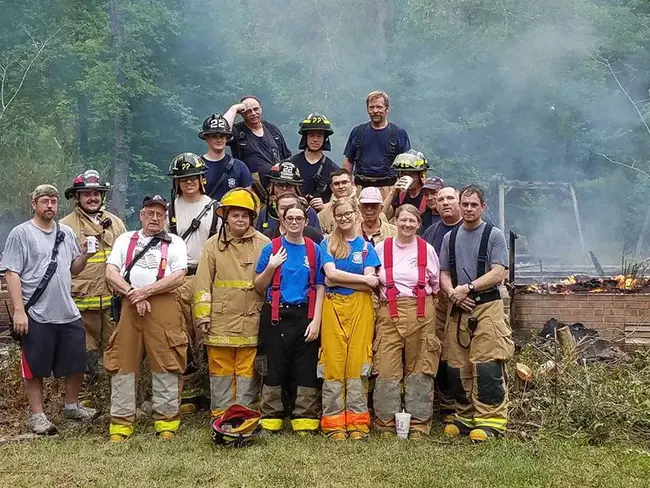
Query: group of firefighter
306	287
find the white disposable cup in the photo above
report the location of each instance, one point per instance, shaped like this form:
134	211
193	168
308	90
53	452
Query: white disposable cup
402	424
91	244
406	182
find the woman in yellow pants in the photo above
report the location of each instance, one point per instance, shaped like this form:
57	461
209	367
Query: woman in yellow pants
350	265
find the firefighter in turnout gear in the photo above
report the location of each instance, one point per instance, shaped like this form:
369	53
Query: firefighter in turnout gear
406	346
145	267
350	266
192	216
90	291
227	306
411	170
478	343
288	273
284	178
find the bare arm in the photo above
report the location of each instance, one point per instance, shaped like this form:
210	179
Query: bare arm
79	264
115	279
232	112
313	329
167	284
491	279
343	277
15	289
356	287
347	164
387	207
445	282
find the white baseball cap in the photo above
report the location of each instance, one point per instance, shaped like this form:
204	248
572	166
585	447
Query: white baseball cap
370	195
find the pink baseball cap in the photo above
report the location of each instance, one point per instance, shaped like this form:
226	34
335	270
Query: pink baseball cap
370	195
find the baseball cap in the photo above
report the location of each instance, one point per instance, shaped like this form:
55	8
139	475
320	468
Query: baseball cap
433	183
370	195
154	200
43	190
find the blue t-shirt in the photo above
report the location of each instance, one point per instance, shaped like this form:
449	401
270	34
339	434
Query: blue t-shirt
354	263
294	272
269	223
239	176
374	158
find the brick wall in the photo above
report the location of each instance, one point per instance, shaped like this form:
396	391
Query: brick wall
614	316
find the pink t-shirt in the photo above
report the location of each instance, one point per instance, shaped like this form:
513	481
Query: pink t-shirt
405	269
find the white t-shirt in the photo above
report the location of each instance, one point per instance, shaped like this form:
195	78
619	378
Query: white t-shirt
145	270
185	212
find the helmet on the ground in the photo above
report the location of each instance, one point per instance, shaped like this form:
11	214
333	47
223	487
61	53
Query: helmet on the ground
187	164
411	161
237	426
88	180
313	122
285	172
240	198
215	124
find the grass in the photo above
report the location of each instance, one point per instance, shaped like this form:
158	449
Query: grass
88	460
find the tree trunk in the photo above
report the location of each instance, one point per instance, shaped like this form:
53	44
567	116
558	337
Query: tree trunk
382	17
121	153
82	127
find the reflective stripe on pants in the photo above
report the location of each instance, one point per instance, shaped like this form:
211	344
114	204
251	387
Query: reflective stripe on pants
232	378
345	361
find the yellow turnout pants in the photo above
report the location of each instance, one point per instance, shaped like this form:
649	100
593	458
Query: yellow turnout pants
232	378
346	361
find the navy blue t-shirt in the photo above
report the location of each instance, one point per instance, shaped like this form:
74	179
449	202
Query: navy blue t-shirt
238	176
355	263
374	160
435	233
294	272
308	172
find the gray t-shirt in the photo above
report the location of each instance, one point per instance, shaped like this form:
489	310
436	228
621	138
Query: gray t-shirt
467	244
27	252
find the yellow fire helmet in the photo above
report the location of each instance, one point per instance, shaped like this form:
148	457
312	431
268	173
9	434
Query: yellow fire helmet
241	198
236	427
411	161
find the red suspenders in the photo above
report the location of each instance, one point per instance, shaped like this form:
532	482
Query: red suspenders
391	289
164	250
275	284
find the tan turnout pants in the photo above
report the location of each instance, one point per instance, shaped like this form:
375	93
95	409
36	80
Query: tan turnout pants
476	366
405	348
159	334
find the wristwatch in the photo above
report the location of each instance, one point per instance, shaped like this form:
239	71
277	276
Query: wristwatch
471	287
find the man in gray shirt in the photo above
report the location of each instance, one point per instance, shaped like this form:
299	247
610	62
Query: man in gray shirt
477	342
52	336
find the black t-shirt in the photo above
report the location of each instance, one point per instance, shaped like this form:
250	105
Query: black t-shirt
311	232
239	176
308	172
435	233
416	201
428	219
258	153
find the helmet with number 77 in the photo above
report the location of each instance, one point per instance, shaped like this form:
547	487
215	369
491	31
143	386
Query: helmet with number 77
187	164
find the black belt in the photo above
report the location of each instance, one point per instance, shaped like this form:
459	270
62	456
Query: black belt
481	297
191	270
289	305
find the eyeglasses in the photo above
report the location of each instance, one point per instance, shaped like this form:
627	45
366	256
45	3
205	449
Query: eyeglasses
151	214
344	215
187	179
297	220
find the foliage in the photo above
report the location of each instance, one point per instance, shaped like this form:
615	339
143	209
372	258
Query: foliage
548	90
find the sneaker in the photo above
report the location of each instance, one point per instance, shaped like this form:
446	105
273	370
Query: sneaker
166	435
357	435
79	413
39	424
